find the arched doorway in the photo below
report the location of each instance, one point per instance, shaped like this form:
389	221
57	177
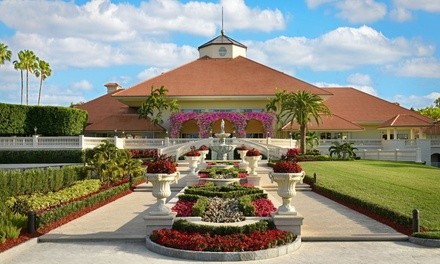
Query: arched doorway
255	129
190	129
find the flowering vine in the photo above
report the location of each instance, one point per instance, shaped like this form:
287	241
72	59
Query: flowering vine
205	121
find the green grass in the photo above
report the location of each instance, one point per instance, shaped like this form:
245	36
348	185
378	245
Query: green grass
397	186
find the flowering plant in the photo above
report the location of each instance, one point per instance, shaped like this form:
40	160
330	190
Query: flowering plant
287	167
161	164
263	207
193	152
203	147
236	242
253	152
242	147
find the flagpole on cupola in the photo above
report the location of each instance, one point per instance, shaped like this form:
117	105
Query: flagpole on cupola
222	32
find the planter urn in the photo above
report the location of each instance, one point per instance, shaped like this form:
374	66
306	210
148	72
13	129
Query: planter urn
161	190
243	164
286	189
253	164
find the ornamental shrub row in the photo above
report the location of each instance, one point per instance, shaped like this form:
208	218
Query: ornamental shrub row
37	201
20	120
183	225
378	209
229	191
41	156
18	182
58	213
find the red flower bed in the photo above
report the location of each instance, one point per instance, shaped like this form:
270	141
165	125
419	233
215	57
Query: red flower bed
183	208
263	207
253	152
256	240
287	167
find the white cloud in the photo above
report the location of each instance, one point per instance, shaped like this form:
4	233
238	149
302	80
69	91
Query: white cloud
102	20
359	79
400	14
415	101
355	11
363	88
417	67
424	5
341	49
361	11
82	85
316	3
150	72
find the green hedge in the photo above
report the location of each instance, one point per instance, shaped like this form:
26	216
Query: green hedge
18	182
189	227
48	217
378	209
20	120
41	156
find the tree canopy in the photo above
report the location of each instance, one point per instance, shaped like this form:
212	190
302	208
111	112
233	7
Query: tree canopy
156	103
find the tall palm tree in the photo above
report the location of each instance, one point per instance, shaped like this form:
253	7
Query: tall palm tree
18	66
28	62
5	53
42	71
301	107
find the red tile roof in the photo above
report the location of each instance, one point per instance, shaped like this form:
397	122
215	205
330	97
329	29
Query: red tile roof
104	106
107	114
221	77
124	122
327	123
362	108
406	120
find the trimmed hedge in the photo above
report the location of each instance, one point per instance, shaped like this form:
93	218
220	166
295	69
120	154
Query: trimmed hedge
41	156
378	209
58	213
183	225
20	120
17	182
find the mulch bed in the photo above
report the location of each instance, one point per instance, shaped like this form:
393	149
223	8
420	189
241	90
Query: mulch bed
24	236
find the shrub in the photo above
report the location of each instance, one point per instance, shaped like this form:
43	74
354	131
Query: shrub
41	156
203	147
17	182
242	147
20	120
253	152
193	152
161	164
287	167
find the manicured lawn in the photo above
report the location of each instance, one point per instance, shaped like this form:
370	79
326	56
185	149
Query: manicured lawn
397	186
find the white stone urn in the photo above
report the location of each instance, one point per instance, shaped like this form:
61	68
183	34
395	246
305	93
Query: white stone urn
243	164
192	164
203	163
253	164
286	189
161	190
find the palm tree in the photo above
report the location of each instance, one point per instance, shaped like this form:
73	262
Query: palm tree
344	151
18	66
156	104
42	71
276	105
29	64
5	53
301	107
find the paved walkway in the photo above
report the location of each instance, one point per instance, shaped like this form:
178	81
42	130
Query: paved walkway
115	234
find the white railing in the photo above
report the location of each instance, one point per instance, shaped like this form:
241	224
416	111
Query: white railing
405	150
393	155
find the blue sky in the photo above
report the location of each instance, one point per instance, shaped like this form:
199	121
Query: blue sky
386	48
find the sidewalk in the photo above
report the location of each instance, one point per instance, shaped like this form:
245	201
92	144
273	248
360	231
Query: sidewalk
115	233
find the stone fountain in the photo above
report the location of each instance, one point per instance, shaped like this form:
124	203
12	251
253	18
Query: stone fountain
222	149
